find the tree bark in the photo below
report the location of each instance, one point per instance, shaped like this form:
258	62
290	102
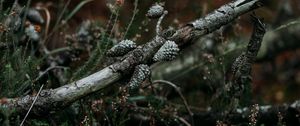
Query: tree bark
52	99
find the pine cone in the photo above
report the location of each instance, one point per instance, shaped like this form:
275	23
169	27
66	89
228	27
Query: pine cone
167	52
140	74
155	11
121	48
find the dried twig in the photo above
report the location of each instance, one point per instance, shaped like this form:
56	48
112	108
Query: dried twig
37	95
184	121
47	70
48	18
159	22
177	89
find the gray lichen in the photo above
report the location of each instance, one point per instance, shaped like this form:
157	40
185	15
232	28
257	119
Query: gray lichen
223	15
216	19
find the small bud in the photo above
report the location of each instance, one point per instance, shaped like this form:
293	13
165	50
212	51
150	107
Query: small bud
140	74
167	52
121	48
155	11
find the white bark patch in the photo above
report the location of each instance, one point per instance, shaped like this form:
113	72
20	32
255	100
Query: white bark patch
223	15
87	85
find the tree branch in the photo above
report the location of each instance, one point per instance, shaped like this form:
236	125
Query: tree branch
239	83
53	99
267	115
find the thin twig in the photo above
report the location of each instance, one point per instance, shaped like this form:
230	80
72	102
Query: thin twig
184	121
55	51
15	4
25	13
61	14
106	44
159	22
64	22
114	24
107	119
108	25
47	70
177	89
48	17
110	34
25	50
57	25
1	5
288	25
32	105
135	11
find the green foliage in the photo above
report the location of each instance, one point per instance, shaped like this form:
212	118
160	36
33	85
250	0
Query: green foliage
38	122
76	9
17	73
18	65
95	58
6	118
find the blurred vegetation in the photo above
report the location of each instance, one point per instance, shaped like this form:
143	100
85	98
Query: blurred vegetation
72	42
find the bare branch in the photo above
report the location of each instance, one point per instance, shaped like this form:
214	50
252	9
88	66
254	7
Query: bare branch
53	99
240	81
